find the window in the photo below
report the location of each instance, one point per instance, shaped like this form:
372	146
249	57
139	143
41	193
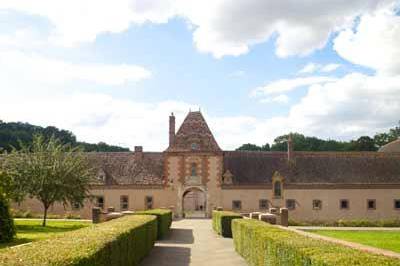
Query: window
371	204
397	204
100	201
76	205
194	146
124	203
290	204
263	204
317	204
236	205
277	189
149	202
344	204
193	170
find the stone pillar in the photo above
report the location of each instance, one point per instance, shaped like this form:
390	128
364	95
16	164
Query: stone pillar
96	213
284	213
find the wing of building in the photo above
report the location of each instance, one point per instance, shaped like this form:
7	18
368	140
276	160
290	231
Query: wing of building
194	174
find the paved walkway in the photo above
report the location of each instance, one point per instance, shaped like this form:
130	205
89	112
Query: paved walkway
193	242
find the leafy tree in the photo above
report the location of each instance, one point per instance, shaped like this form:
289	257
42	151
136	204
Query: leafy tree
7	228
249	147
364	143
50	172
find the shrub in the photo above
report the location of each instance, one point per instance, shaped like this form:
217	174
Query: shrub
347	223
264	244
123	241
222	220
164	220
7	229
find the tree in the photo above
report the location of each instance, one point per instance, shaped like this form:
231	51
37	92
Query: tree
7	229
50	172
364	143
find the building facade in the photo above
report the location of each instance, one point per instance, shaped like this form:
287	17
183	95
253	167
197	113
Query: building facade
194	174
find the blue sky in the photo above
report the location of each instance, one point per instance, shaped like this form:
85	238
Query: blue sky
257	69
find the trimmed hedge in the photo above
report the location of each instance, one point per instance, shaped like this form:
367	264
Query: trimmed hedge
264	244
164	220
222	220
123	241
7	228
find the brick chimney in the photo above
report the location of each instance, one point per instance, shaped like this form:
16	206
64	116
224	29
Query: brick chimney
138	152
290	148
171	129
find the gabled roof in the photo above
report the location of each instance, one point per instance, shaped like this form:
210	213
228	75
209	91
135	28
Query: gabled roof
194	135
313	167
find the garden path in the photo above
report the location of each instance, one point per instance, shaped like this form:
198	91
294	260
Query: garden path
193	242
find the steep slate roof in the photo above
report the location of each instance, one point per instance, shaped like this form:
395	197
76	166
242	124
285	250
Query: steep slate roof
313	167
120	168
393	146
194	130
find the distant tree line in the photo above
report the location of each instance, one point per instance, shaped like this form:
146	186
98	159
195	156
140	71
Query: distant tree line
305	143
14	134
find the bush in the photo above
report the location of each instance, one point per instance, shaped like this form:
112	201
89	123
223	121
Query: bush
222	220
164	220
123	241
264	244
7	229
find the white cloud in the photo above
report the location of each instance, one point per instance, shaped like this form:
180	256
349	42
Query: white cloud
36	68
286	85
282	98
313	67
221	27
375	43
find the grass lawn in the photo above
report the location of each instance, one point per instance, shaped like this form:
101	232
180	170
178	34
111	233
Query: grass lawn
389	240
29	230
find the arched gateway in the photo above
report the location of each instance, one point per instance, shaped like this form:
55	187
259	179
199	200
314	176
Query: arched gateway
194	203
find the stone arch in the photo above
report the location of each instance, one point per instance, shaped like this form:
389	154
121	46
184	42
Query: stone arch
196	201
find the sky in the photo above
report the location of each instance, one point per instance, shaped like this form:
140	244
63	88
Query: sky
113	71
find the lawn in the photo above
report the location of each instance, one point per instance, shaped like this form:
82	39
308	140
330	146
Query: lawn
389	240
29	230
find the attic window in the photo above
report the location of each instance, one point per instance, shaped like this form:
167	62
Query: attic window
194	146
277	189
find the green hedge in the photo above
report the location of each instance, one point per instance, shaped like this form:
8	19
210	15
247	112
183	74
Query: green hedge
164	220
350	223
123	241
221	222
264	244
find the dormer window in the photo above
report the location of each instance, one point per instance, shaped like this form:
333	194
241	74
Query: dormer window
194	146
193	170
277	189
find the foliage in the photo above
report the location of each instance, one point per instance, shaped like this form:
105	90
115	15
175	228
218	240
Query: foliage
29	230
49	171
7	229
263	244
164	220
349	223
14	134
123	241
306	143
378	238
222	222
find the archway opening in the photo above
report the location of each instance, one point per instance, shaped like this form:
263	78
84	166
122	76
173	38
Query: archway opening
194	203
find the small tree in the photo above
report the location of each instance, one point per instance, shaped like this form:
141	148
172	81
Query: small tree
7	229
50	172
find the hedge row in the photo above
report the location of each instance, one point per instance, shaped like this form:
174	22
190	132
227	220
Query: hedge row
123	241
164	220
222	220
264	244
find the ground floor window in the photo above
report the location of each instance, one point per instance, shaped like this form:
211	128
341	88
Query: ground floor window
397	204
344	204
290	204
76	206
263	204
317	204
149	202
100	201
124	202
371	204
236	205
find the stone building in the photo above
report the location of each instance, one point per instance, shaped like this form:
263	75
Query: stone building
312	185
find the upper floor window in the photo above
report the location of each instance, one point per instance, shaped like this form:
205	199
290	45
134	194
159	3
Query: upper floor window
193	170
277	189
194	146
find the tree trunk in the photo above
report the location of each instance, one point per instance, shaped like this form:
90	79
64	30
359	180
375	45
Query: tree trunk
45	215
